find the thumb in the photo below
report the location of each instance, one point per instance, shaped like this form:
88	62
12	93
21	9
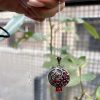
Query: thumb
35	3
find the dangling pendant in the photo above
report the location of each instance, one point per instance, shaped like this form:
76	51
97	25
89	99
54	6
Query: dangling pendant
58	77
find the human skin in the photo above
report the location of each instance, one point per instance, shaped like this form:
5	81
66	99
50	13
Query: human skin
34	9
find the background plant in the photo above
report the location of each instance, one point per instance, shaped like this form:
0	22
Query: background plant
71	63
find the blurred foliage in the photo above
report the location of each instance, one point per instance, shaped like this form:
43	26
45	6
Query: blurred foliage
91	30
73	64
18	20
89	98
98	93
29	35
84	78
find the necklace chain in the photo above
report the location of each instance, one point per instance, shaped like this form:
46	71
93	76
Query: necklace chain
59	31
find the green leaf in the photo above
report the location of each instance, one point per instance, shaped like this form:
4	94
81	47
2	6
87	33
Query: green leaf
64	19
98	93
74	81
66	61
88	77
51	56
68	28
64	50
72	70
39	37
79	20
50	64
81	62
91	30
28	35
47	64
69	62
71	57
89	98
69	67
52	61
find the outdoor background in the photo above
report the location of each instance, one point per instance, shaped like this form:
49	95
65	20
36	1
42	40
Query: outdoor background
22	68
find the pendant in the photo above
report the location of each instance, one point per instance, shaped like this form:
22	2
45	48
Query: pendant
58	77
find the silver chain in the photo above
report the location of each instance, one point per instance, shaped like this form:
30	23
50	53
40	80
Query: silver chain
59	15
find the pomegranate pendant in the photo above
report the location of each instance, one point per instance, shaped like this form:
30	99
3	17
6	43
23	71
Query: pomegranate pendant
58	77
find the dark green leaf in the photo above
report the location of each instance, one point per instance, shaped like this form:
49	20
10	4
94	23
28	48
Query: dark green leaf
91	30
98	93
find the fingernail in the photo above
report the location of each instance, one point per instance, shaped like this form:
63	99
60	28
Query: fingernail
35	3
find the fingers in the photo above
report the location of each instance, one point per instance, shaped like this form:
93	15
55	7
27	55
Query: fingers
33	14
41	9
35	3
49	3
51	12
41	13
44	3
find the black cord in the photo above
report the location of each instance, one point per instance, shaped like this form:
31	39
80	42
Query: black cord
5	36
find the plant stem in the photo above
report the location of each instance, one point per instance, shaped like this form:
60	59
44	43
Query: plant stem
81	84
51	33
51	49
76	98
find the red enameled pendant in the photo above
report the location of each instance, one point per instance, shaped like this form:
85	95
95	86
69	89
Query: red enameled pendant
58	77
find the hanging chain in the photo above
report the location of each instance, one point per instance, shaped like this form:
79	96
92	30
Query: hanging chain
58	77
59	15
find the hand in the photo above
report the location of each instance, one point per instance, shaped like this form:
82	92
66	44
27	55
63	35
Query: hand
34	9
41	9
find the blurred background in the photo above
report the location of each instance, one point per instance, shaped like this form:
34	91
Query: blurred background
23	71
